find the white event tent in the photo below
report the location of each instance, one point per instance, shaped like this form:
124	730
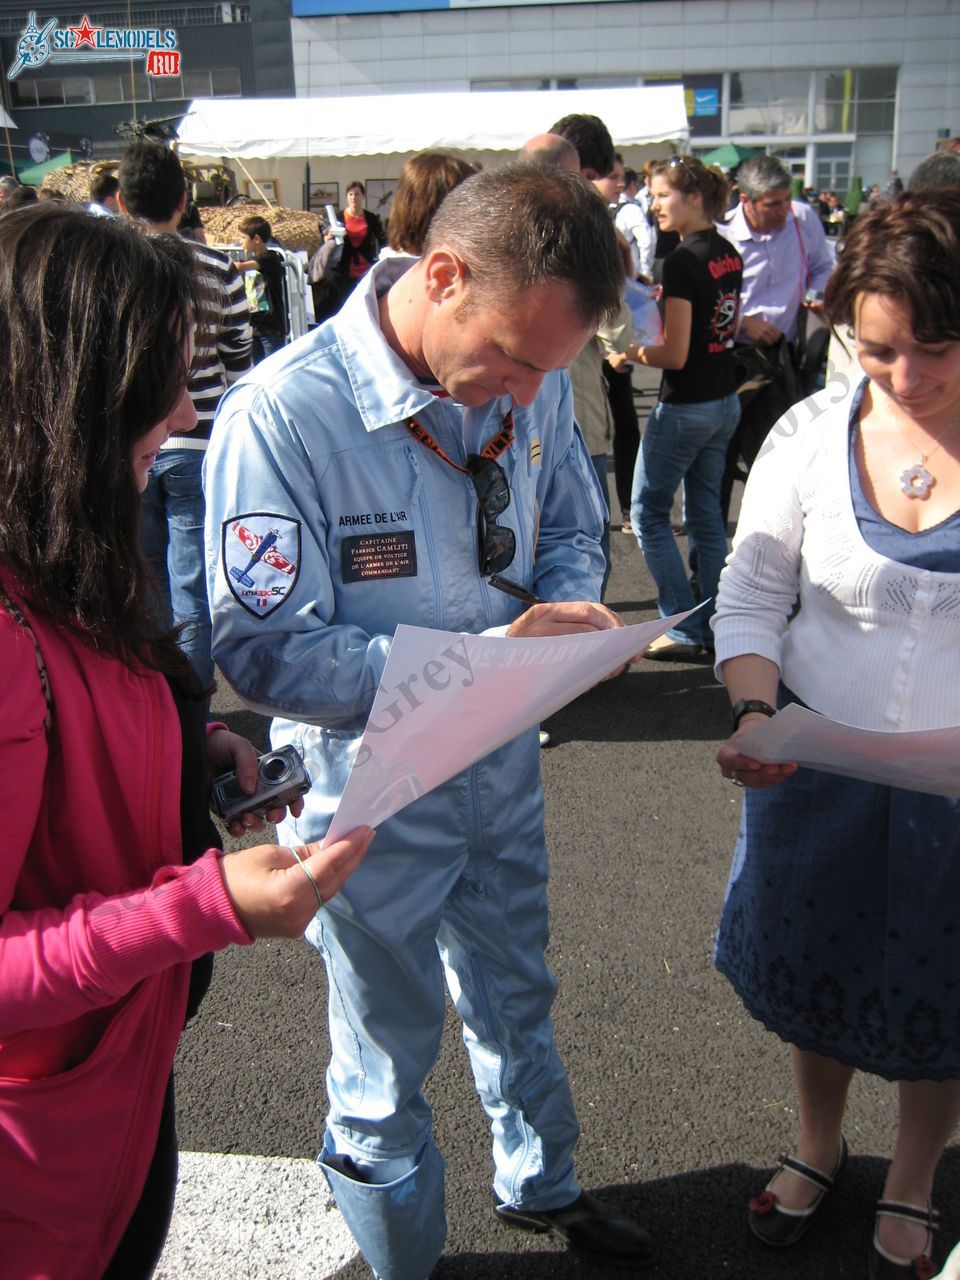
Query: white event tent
369	136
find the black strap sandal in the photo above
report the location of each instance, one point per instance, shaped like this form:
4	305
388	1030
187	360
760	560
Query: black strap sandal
887	1266
779	1226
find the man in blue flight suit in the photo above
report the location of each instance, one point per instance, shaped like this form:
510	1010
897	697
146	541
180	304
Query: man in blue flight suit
398	457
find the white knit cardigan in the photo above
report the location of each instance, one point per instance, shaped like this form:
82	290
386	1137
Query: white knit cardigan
874	643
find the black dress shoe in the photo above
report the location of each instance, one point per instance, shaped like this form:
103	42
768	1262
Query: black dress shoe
589	1227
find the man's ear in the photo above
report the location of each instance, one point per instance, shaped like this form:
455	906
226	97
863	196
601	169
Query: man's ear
124	209
445	273
183	202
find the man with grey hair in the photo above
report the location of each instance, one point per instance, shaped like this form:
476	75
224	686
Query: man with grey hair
396	463
784	251
936	172
7	185
785	254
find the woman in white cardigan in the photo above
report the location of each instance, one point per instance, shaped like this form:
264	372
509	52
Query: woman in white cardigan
842	593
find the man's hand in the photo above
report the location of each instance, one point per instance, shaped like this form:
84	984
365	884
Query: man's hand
759	330
568	617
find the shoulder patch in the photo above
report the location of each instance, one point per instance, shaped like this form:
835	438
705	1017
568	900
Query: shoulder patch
260	553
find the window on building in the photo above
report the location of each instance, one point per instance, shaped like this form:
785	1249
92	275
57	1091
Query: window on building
167	88
856	100
135	87
225	82
77	91
85	91
23	93
769	102
486	86
50	93
108	88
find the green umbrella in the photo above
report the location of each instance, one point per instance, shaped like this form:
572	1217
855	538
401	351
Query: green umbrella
32	175
728	156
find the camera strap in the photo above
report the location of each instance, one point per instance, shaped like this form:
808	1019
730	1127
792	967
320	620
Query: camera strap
18	616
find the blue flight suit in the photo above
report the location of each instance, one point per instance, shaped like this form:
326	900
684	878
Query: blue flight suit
365	527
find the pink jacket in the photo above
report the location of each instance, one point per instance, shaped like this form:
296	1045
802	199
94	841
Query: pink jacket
99	921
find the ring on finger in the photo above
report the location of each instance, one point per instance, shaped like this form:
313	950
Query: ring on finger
301	854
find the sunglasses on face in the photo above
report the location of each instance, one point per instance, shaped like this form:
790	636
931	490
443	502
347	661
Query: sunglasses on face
498	544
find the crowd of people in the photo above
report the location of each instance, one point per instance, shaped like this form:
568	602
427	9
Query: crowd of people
173	508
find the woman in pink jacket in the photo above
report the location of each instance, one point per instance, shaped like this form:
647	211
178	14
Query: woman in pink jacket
111	888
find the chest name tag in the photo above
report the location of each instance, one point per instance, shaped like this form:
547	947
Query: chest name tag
378	555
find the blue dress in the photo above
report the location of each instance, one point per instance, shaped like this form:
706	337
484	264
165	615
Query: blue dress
840	930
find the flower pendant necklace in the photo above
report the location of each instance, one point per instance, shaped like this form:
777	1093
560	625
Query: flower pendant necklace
917	481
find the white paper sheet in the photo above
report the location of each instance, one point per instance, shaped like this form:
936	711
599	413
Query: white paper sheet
922	760
447	699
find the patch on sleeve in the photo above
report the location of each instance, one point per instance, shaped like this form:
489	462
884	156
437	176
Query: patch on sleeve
261	559
378	555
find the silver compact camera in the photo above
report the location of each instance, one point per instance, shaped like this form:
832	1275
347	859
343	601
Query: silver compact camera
282	777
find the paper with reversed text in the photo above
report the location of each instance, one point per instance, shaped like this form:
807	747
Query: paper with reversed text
919	760
447	699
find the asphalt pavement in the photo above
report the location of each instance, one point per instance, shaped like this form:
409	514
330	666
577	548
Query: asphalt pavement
685	1102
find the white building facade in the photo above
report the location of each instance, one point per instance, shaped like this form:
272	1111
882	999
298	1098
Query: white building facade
834	88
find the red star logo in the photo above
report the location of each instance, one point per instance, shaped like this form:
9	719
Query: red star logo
84	33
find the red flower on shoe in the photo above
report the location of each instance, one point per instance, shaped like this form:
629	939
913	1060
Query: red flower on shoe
924	1267
766	1202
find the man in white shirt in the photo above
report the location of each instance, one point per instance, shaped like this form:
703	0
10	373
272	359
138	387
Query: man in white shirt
634	225
785	256
784	251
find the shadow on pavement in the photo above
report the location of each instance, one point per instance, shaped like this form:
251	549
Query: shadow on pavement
652	702
699	1220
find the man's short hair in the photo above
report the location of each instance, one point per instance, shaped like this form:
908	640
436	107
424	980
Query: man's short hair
761	175
8	184
256	226
592	140
524	225
936	172
630	176
152	182
103	186
551	150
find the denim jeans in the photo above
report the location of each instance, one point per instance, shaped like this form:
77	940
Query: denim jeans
171	537
684	442
599	461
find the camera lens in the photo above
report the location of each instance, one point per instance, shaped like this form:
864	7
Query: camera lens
274	769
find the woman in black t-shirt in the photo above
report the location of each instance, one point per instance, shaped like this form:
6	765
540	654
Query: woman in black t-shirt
688	431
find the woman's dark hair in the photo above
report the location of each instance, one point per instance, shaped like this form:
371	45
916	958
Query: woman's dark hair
688	174
95	319
907	249
424	180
